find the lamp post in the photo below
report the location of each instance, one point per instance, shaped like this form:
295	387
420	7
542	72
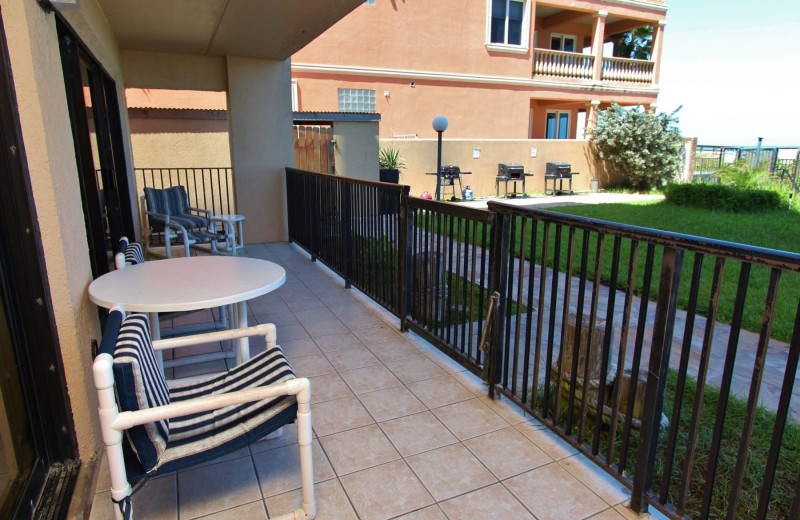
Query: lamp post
440	125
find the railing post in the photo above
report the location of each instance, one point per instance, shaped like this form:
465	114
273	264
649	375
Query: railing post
347	231
313	240
669	285
404	257
498	262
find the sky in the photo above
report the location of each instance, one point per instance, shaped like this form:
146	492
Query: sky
734	66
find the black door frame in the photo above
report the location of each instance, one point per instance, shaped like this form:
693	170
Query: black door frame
25	291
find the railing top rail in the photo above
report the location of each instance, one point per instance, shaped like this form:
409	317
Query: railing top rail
627	60
138	169
477	214
352	180
561	53
742	252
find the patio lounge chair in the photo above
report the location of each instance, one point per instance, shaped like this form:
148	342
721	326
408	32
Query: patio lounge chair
170	218
168	427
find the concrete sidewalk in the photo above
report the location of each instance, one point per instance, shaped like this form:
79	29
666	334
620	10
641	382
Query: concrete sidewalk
543	201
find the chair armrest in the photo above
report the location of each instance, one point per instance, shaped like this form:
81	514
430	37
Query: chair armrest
267	330
208	213
126	420
226	224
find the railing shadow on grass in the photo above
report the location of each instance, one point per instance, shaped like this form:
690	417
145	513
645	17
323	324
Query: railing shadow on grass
588	329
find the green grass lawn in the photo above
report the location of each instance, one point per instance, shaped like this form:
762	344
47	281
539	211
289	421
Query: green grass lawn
775	230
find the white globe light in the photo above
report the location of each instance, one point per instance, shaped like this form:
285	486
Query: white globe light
440	123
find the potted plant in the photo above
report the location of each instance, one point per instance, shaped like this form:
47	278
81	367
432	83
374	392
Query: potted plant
391	162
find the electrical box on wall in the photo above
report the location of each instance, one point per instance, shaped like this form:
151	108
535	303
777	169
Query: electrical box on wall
534	151
476	153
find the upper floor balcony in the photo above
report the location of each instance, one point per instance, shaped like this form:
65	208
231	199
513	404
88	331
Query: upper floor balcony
574	65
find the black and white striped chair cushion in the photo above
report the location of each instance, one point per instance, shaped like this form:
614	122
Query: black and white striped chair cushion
140	384
205	436
134	254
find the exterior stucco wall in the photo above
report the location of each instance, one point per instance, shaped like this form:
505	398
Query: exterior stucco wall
50	154
420	156
260	117
180	143
356	149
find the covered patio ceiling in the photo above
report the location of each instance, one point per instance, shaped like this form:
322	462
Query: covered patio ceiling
271	29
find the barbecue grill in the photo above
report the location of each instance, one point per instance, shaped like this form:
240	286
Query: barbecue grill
450	175
513	173
558	171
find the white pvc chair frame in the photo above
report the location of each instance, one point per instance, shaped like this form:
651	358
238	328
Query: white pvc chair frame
113	422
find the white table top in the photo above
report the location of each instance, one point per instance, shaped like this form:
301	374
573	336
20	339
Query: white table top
184	284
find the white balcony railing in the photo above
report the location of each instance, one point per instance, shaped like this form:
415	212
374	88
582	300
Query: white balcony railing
625	69
573	65
562	64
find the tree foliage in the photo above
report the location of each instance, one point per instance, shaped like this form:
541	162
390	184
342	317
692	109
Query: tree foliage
636	44
643	147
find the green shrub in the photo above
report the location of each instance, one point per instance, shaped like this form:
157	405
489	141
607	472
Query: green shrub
723	197
743	175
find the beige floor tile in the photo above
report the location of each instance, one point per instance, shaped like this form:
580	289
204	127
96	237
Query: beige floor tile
156	500
324	327
608	514
278	470
313	315
327	387
236	454
603	484
295	348
379	334
507	452
338	341
415	368
628	514
546	440
512	413
287	437
444	361
370	379
332	502
358	449
490	503
440	391
450	471
429	513
385	491
310	366
391	403
277	318
338	415
394	350
304	304
352	359
417	433
209	489
551	493
287	333
200	369
469	419
472	383
103	476
359	320
251	511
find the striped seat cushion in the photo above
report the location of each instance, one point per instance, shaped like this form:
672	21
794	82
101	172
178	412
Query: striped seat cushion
134	254
140	384
175	203
205	436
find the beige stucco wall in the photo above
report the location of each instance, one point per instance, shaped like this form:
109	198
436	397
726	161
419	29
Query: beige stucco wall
50	155
180	143
420	156
260	116
356	149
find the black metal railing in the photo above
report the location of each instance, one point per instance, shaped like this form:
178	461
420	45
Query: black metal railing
208	188
617	338
596	364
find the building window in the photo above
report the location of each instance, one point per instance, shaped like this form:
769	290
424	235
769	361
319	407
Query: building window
369	2
557	124
508	24
356	100
562	42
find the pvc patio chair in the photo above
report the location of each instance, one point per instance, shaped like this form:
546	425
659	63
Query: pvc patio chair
172	426
130	253
171	219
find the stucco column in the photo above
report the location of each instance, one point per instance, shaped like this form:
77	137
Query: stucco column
591	119
260	119
658	44
598	35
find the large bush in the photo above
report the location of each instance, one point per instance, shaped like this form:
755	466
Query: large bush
643	147
723	197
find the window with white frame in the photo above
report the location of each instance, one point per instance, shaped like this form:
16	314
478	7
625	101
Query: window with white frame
356	100
508	24
557	124
563	42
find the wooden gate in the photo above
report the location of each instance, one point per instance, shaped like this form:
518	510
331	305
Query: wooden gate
313	148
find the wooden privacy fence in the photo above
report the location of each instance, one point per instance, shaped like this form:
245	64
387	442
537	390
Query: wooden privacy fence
313	148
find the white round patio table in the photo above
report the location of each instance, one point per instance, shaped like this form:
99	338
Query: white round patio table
189	283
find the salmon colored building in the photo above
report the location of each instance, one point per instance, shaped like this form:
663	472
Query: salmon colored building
500	69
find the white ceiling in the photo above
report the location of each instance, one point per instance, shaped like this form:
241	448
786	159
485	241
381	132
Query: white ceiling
273	29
